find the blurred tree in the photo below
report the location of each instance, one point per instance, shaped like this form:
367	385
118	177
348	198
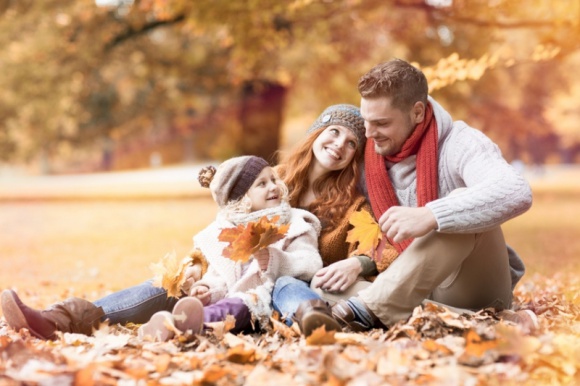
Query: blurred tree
77	76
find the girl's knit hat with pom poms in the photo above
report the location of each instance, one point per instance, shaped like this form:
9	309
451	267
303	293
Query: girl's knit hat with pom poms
232	179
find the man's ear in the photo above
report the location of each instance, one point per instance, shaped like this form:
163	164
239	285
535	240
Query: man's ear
418	112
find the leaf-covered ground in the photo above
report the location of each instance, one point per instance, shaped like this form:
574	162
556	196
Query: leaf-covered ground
435	346
55	249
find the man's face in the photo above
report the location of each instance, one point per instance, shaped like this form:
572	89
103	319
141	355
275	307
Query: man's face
389	127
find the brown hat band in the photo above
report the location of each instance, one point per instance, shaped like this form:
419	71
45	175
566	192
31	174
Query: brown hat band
247	176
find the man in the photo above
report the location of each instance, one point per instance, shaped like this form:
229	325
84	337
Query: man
440	191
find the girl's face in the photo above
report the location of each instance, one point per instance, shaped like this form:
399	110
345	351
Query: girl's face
265	192
334	148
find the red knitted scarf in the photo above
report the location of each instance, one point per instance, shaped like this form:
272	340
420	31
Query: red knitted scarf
423	143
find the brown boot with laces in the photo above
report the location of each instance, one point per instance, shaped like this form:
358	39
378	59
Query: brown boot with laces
313	314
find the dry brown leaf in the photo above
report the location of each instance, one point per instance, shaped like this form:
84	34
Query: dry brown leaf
169	273
219	329
213	374
434	347
349	338
283	329
86	375
321	337
476	346
162	362
245	240
478	351
241	354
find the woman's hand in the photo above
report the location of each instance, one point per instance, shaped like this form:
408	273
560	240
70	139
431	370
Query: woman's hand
337	277
202	293
263	258
192	274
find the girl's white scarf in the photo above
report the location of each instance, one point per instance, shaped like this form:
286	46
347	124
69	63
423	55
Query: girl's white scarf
282	210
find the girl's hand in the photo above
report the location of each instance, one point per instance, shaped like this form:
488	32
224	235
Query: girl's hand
202	293
192	274
263	258
337	277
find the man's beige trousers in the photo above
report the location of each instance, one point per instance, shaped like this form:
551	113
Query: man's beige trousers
469	271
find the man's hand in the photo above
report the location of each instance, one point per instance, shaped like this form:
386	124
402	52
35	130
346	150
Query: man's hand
337	277
401	223
202	293
263	258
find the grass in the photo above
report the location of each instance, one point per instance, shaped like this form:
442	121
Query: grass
54	249
85	248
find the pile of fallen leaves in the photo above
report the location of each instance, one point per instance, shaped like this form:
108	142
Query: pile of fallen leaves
435	346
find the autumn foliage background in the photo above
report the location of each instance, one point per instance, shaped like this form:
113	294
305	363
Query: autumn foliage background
165	86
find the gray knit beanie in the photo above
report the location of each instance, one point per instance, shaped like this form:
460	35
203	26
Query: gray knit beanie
343	115
232	179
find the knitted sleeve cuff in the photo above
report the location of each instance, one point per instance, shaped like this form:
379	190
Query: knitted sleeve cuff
369	268
443	214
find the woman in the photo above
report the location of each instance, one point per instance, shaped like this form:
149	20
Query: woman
322	175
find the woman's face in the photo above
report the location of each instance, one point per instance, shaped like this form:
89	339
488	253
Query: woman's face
265	192
334	148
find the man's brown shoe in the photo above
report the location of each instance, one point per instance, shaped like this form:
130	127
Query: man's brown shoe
313	314
526	319
347	318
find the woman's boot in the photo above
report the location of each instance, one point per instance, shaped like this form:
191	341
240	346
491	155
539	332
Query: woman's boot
313	314
72	315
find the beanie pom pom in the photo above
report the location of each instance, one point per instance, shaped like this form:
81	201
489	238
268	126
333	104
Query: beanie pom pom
206	175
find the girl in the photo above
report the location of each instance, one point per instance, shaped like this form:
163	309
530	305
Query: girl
246	189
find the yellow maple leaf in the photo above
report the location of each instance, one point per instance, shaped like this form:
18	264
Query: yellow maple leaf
366	232
170	273
244	241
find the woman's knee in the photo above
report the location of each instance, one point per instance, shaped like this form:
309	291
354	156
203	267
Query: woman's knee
285	281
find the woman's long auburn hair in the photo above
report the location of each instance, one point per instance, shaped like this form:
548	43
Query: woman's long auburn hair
335	191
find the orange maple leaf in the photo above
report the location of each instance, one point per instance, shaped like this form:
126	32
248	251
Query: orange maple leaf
366	232
246	240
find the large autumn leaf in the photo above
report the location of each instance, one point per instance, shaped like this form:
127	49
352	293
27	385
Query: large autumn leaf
366	232
170	273
245	240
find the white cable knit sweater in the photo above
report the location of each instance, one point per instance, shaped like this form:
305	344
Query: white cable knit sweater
495	192
296	255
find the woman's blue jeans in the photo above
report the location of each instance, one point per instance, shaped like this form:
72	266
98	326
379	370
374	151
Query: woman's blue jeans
135	304
287	295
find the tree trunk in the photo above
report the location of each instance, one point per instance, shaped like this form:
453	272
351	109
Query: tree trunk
261	118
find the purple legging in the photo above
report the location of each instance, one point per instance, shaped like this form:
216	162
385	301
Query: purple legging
217	312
